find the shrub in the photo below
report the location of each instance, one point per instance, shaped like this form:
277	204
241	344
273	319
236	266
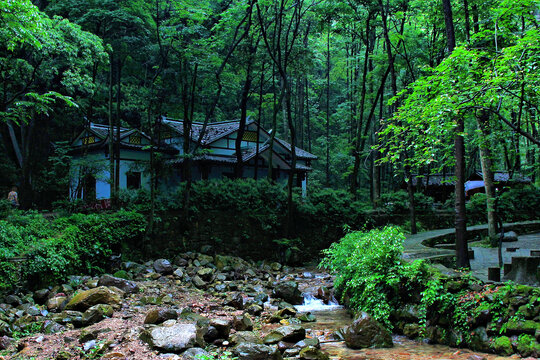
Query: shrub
518	204
370	272
53	250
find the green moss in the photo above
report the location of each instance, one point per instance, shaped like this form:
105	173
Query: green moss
527	345
122	274
502	345
527	326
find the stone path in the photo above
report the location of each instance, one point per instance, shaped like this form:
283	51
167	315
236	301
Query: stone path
488	257
483	257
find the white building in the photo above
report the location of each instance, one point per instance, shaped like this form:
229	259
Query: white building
216	159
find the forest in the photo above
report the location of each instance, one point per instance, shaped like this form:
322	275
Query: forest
375	89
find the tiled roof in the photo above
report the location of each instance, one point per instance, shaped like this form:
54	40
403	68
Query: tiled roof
504	176
103	130
300	153
213	131
434	180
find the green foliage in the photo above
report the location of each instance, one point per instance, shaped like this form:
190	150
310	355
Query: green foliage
226	355
370	272
516	204
50	251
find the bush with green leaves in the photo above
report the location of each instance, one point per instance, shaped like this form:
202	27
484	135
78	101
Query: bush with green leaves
370	272
516	204
42	251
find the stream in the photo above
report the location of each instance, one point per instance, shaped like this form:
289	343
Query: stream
332	316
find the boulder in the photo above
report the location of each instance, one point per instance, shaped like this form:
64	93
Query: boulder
314	342
509	236
198	282
206	274
163	266
292	333
324	294
69	317
236	301
502	345
126	286
366	332
40	296
242	323
56	303
250	351
174	337
479	340
96	313
313	353
100	295
157	316
288	291
52	327
223	327
196	354
244	337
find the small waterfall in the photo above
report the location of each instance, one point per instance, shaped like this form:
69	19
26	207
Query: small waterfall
312	304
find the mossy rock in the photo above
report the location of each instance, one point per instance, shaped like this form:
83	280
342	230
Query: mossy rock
528	346
502	345
122	274
522	327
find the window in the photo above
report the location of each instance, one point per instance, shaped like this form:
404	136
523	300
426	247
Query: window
135	140
133	180
166	134
250	136
89	140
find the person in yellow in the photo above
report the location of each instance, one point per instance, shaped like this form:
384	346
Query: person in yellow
13	197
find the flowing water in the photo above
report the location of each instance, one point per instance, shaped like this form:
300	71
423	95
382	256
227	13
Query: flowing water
332	316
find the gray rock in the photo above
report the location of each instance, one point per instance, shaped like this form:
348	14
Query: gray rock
100	295
223	327
52	327
308	342
236	301
126	286
195	354
69	317
242	323
56	303
250	351
96	313
174	337
157	316
509	236
163	266
198	282
13	300
313	353
289	292
178	273
40	296
244	337
366	332
206	274
291	333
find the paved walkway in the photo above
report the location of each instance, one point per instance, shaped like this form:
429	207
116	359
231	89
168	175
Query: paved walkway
489	257
483	257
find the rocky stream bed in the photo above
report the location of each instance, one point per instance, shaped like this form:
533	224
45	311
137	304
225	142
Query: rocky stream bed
195	305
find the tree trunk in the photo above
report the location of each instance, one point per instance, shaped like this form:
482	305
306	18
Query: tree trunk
111	134
118	115
328	105
462	253
487	172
